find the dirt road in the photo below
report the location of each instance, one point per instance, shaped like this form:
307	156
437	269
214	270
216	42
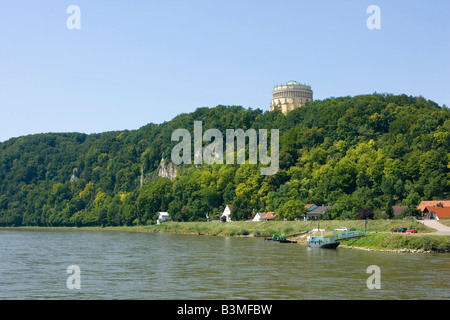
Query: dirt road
440	228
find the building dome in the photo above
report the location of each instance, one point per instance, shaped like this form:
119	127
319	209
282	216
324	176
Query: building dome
293	83
290	95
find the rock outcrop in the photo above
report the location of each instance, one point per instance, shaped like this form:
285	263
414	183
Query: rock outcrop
167	171
74	175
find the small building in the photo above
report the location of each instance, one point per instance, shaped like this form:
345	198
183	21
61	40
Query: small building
315	213
397	210
163	217
268	216
226	215
436	212
258	216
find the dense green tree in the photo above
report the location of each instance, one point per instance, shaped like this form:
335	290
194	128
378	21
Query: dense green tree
153	198
291	210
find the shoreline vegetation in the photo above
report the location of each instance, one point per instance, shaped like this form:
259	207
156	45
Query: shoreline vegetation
379	237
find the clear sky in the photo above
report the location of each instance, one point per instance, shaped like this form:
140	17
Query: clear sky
134	62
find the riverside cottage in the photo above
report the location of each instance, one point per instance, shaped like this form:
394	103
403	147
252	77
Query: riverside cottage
258	216
398	210
226	215
316	212
436	213
438	209
269	216
162	217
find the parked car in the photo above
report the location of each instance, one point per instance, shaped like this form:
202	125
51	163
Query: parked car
342	229
411	231
398	229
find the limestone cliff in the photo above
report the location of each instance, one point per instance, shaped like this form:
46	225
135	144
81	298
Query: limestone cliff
167	171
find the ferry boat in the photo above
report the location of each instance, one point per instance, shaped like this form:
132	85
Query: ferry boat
280	239
325	242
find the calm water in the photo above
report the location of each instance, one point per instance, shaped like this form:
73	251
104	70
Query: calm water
126	265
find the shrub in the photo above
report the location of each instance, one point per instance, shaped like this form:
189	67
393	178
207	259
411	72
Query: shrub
365	213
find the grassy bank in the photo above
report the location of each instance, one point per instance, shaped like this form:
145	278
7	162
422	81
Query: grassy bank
280	227
379	235
401	242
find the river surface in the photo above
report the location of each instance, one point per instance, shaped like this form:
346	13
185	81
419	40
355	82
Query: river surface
132	265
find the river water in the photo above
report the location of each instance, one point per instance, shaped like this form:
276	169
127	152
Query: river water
129	265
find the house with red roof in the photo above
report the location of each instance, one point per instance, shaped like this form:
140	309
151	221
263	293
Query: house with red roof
268	216
436	212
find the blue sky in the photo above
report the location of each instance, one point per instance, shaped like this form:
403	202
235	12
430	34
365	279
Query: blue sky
135	62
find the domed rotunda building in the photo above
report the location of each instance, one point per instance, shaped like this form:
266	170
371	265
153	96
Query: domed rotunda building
291	95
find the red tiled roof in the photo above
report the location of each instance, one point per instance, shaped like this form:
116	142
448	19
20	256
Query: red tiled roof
434	203
440	212
268	216
309	205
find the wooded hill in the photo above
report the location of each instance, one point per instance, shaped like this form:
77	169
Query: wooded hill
367	151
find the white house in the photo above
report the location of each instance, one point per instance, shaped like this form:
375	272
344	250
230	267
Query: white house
163	216
226	215
258	216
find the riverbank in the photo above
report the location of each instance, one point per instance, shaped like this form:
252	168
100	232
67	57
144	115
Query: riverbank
379	237
394	242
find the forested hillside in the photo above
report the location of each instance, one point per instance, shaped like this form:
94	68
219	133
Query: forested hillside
368	151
